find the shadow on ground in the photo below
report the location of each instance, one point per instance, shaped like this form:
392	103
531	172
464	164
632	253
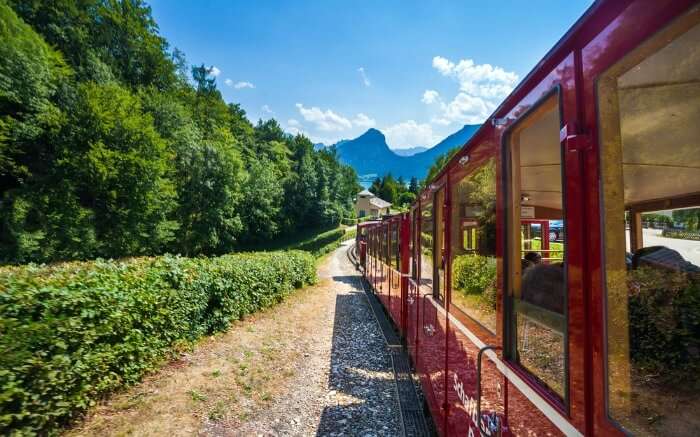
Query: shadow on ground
363	394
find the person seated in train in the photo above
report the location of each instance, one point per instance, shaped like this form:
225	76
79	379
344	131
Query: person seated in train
534	257
531	259
543	285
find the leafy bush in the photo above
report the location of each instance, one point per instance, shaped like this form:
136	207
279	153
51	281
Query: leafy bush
664	319
685	235
72	332
350	235
474	273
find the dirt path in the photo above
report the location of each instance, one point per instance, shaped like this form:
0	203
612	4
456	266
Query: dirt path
316	364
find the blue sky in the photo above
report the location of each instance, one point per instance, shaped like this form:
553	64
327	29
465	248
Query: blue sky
416	70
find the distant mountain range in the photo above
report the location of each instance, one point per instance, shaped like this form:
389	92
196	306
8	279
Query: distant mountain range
410	151
370	154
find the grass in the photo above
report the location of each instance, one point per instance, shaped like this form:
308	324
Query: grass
286	242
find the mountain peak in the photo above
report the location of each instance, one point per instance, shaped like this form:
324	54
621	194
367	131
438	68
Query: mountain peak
373	133
370	154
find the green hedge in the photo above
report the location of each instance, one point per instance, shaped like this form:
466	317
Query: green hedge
474	273
664	319
685	235
73	332
322	243
350	235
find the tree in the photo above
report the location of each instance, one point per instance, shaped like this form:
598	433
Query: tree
413	185
107	148
440	162
209	178
261	203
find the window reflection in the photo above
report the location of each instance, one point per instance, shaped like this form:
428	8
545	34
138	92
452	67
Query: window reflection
426	245
474	245
537	239
650	156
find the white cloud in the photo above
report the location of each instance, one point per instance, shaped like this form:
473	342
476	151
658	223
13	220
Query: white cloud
327	121
294	127
243	84
481	88
228	82
430	97
214	71
468	109
363	75
362	120
266	109
410	134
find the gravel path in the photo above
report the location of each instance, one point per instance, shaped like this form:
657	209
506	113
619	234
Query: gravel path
346	385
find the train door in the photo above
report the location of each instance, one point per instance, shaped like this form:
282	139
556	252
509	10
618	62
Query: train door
395	269
386	267
412	292
432	320
647	93
544	312
475	385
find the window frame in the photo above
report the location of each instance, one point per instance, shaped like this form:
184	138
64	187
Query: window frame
605	83
461	314
509	321
437	254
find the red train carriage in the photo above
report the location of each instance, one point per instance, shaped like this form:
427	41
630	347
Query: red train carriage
531	298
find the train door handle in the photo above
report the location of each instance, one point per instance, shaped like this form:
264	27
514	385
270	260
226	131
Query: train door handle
493	424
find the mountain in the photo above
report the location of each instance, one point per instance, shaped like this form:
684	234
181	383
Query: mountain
369	153
410	151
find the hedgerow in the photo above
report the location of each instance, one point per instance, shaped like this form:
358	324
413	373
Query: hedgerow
664	314
72	332
322	243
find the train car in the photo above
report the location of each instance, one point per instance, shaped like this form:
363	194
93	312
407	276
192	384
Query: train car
530	296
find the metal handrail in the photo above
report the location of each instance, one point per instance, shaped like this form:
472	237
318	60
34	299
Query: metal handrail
478	385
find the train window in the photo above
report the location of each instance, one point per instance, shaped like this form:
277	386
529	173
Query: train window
426	245
473	245
395	245
412	266
439	246
537	304
386	237
649	105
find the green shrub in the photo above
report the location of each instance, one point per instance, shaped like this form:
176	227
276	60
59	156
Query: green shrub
350	235
685	235
474	273
664	319
72	332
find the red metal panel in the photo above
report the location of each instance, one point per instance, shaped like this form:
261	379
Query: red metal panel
432	331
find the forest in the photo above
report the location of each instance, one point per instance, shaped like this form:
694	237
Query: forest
112	145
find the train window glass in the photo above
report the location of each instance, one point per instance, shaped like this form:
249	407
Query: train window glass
395	245
426	245
412	260
473	245
649	105
537	310
439	246
386	237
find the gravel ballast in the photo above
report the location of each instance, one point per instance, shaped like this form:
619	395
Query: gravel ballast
346	386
